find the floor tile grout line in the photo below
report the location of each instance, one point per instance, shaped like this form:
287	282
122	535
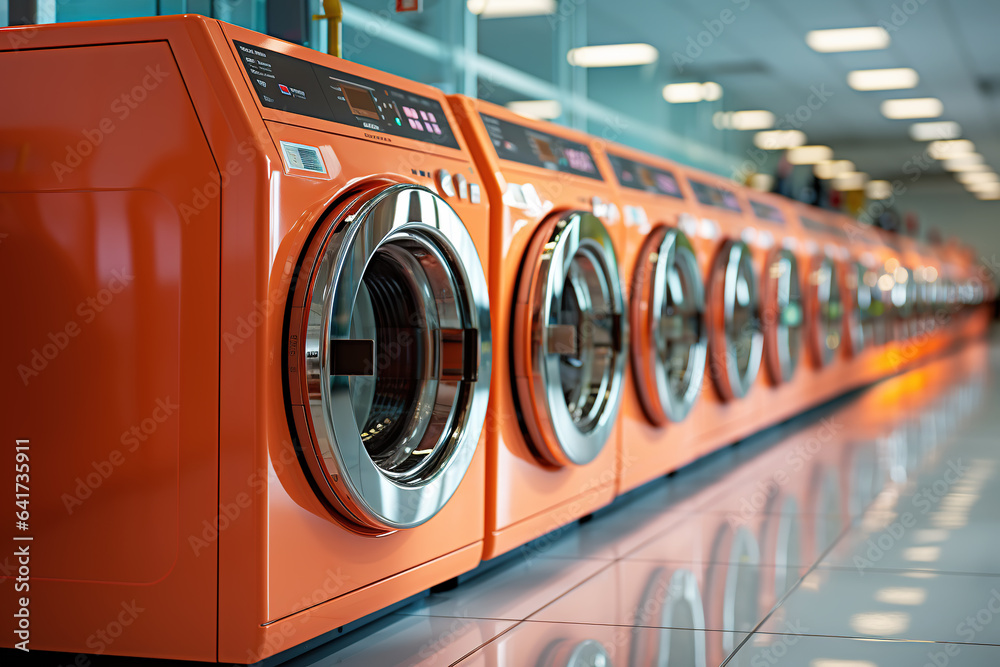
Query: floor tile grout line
905	570
897	640
486	643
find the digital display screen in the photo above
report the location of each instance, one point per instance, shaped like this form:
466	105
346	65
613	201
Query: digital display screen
301	87
540	149
817	226
632	174
713	196
767	212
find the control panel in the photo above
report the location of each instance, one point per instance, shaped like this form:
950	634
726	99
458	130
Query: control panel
540	149
298	86
711	195
638	176
817	226
765	211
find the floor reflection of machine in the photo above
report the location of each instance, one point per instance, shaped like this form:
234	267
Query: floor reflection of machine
669	342
559	324
284	386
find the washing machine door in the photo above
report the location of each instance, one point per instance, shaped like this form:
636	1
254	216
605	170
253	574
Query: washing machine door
783	314
388	356
569	339
859	295
736	340
669	338
827	311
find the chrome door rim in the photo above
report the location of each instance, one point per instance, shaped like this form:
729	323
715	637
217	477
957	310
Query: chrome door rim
383	225
732	265
825	291
782	294
572	250
667	263
860	296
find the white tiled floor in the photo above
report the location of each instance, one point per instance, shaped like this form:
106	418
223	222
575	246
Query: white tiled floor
881	547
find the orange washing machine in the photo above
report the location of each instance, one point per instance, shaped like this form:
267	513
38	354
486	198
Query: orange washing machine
253	341
727	410
559	326
666	311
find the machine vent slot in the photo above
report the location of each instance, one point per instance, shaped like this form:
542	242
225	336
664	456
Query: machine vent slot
306	158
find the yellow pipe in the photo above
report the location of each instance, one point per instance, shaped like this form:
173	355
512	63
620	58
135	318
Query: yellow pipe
334	13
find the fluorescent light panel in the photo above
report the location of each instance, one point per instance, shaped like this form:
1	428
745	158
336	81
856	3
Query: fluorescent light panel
917	107
973	177
848	39
935	129
854	180
883	79
686	93
943	150
970	162
757	119
809	154
779	140
543	109
613	55
832	168
878	189
495	9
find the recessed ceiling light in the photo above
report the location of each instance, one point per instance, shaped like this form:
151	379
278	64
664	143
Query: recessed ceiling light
848	39
543	109
494	9
758	119
971	177
935	129
832	168
854	180
684	93
613	55
945	149
883	79
988	186
779	140
809	154
970	162
917	107
878	189
711	91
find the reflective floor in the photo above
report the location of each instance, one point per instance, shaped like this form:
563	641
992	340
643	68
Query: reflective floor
866	533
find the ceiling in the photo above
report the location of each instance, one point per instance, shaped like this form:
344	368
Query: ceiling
762	61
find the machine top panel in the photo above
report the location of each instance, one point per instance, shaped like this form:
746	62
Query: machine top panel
639	176
713	196
301	87
767	212
540	149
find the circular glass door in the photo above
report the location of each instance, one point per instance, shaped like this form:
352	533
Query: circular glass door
875	325
783	315
568	337
669	338
388	356
827	311
858	294
736	340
